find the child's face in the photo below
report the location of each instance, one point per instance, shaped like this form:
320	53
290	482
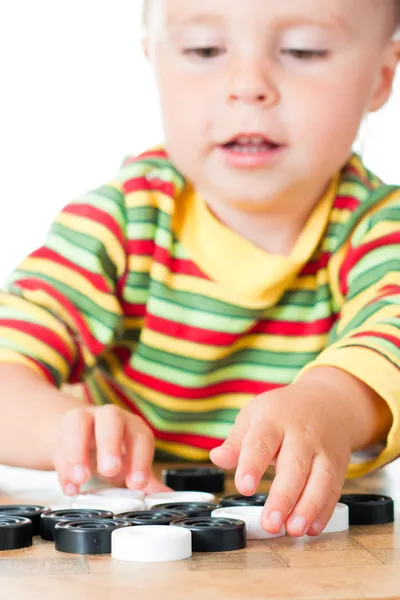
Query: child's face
301	74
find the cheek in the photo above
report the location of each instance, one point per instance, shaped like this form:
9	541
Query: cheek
331	113
187	120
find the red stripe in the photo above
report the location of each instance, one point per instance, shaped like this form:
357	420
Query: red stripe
295	328
121	282
176	265
140	184
123	354
383	336
195	440
346	203
91	342
356	254
46	372
133	310
98	216
148	154
237	386
141	247
41	333
359	174
314	266
163	256
190	333
215	338
387	291
96	280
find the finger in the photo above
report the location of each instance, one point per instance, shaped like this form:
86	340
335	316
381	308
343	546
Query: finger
154	486
139	442
260	445
318	500
109	433
292	471
72	457
227	455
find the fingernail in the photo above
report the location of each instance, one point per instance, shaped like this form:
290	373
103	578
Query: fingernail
70	489
79	474
225	447
317	526
249	482
110	464
299	525
138	478
275	519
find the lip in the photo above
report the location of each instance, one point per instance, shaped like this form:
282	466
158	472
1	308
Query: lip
250	134
250	160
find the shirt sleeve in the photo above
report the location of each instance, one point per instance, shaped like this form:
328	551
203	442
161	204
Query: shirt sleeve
60	308
366	339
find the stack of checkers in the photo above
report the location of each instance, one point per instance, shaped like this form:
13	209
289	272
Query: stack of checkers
166	526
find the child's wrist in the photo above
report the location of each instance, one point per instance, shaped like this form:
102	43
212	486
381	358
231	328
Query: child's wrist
363	412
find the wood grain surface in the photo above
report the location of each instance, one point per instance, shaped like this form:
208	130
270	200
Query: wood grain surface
363	563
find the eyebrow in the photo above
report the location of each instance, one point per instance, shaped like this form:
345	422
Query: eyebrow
176	19
335	21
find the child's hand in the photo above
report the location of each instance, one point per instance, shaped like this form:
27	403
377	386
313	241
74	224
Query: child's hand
305	430
115	442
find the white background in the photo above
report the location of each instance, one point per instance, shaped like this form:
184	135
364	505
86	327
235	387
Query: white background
76	97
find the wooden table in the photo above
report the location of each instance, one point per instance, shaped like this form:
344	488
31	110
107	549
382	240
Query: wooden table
363	563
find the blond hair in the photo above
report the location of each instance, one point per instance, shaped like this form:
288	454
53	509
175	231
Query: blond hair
146	6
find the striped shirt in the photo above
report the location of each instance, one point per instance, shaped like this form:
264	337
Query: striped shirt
143	295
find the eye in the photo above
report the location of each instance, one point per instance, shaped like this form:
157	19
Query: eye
207	52
305	54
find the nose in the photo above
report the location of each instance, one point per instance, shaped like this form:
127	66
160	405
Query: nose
249	84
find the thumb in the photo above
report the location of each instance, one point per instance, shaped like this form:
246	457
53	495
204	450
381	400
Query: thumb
227	455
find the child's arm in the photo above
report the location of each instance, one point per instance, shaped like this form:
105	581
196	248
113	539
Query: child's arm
31	409
59	312
43	428
347	399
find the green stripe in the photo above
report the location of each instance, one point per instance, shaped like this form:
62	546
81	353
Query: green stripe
251	357
379	257
388	214
101	325
369	200
150	231
372	276
9	344
351	186
202	303
87	260
361	317
149	215
379	343
89	244
208	423
158	167
107	199
306	298
278	374
180	252
97	394
197	318
137	280
136	295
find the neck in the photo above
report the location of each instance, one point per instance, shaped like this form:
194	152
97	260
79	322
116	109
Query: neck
273	228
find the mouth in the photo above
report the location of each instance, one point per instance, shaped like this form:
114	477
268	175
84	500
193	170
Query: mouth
250	144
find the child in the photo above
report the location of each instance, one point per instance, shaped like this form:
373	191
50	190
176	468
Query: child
236	290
